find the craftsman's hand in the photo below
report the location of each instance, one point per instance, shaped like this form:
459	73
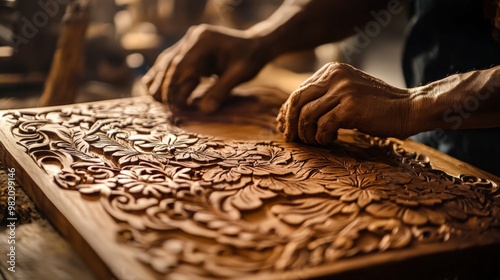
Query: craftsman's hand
341	96
230	55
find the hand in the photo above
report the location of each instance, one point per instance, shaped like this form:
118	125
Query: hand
341	96
204	51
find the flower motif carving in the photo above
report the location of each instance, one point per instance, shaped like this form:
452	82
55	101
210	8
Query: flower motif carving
204	207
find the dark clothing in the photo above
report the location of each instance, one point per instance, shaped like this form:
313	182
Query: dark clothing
448	37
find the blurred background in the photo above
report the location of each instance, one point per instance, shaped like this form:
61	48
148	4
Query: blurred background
124	37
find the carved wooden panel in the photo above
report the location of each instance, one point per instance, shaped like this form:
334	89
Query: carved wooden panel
151	200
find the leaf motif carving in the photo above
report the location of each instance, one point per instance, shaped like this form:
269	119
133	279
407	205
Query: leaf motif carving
198	206
290	186
308	211
384	210
251	197
229	175
201	153
274	154
80	144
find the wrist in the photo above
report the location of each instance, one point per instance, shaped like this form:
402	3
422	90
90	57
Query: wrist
278	34
420	100
266	42
430	104
250	44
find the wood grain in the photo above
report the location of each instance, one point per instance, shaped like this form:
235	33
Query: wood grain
141	197
42	254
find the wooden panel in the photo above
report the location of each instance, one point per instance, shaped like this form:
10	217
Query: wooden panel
140	197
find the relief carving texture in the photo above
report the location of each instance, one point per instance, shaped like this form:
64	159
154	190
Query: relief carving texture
198	206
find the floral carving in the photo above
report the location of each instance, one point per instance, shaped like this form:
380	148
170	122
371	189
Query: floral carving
204	207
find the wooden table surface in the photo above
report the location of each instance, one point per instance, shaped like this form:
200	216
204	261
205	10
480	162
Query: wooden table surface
48	255
43	254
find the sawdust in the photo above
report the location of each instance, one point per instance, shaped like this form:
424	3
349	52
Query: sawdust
25	211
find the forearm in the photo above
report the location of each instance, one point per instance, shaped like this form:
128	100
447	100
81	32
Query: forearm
461	101
304	24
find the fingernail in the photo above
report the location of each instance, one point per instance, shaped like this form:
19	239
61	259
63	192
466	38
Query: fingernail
279	126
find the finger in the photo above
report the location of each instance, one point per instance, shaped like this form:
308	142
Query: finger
316	76
323	74
310	114
178	93
296	101
307	133
216	94
184	76
181	79
153	81
328	126
312	87
280	118
155	78
148	78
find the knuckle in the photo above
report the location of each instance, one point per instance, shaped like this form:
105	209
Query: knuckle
344	111
199	28
294	98
203	30
323	120
339	69
305	119
348	100
330	75
334	64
